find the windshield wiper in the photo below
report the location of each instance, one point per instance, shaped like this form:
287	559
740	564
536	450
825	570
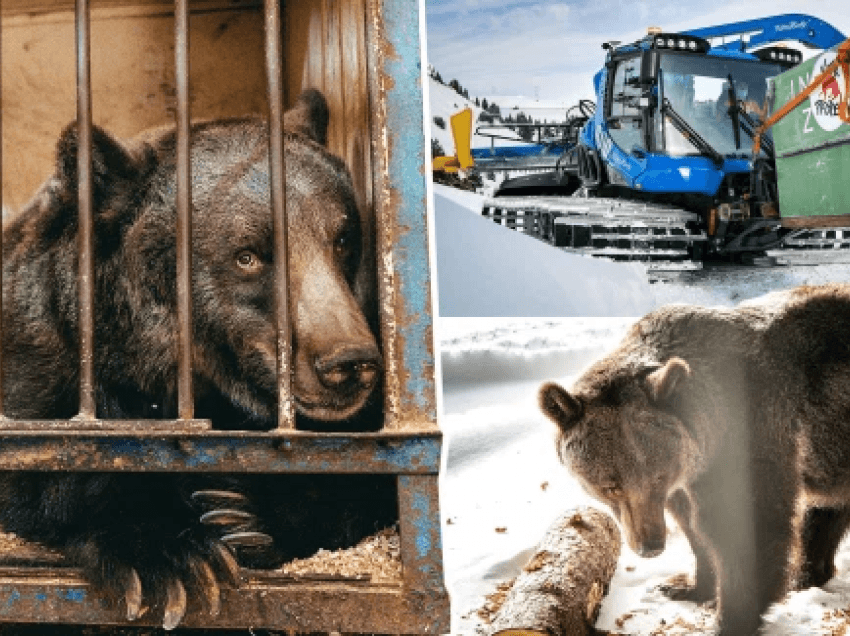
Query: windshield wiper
688	132
743	121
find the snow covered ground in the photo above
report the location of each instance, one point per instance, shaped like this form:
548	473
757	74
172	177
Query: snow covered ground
484	269
502	484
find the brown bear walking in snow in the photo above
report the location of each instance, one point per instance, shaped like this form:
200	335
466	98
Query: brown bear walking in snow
737	421
138	537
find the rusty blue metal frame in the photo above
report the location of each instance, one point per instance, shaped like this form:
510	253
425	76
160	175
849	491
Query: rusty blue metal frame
407	178
216	451
400	202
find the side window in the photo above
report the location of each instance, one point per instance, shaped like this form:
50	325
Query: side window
626	89
624	119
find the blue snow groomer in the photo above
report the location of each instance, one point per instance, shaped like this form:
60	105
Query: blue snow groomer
663	169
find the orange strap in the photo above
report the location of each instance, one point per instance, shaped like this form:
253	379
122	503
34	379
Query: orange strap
842	59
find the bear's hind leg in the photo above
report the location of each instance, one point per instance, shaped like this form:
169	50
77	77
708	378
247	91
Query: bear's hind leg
821	532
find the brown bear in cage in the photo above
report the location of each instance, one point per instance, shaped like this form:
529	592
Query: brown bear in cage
138	537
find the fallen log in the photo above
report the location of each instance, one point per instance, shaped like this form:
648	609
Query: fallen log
560	589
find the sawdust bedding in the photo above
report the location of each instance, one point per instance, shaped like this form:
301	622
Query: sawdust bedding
376	559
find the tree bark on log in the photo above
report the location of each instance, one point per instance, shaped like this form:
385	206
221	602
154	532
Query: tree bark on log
560	589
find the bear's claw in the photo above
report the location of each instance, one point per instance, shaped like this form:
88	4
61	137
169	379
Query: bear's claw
224	512
228	563
227	517
175	606
218	498
681	587
247	539
133	595
208	585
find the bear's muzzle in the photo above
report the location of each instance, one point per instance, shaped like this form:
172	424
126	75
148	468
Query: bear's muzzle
349	368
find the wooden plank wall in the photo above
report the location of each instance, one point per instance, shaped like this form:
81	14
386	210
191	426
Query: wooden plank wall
326	48
325	44
133	76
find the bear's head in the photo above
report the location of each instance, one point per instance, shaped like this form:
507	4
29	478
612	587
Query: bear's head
336	360
618	434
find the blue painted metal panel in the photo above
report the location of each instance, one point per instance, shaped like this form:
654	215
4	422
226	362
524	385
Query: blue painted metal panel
732	54
790	26
687	174
526	150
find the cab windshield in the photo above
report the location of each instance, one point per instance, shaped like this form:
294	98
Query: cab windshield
698	89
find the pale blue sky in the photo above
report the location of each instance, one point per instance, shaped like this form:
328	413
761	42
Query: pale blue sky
551	50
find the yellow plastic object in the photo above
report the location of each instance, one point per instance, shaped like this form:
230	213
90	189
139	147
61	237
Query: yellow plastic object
462	133
461	124
445	164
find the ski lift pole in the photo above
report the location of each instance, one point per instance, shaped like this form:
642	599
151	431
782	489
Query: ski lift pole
842	60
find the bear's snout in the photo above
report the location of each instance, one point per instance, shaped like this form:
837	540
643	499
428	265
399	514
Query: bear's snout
349	368
651	548
645	529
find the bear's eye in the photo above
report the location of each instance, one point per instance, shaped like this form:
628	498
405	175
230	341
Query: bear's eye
246	259
341	244
614	492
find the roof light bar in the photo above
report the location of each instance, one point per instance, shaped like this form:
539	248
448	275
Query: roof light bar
779	55
679	42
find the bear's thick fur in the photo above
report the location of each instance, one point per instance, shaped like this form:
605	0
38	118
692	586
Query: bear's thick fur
738	422
138	537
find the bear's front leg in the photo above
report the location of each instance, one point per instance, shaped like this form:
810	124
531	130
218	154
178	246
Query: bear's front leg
137	537
746	511
705	583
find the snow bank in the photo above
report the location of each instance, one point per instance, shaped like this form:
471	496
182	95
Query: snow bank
487	270
484	269
479	350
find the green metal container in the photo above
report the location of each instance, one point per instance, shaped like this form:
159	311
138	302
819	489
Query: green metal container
812	149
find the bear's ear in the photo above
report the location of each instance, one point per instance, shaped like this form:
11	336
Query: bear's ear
112	163
119	176
309	116
661	384
559	406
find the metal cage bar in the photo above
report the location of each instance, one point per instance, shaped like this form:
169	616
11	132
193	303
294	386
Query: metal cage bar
85	279
2	410
185	393
277	176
